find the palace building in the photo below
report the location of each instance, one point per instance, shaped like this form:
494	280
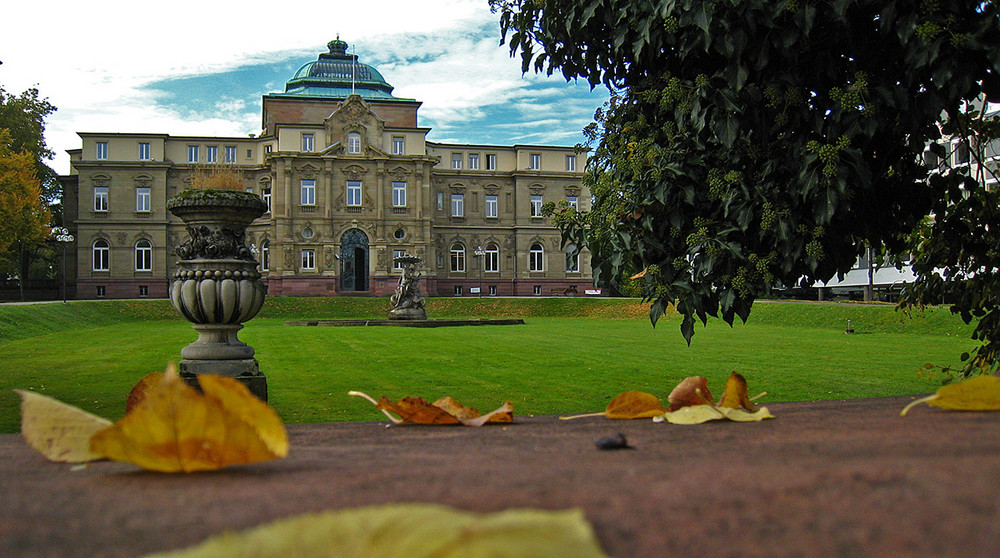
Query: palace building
350	181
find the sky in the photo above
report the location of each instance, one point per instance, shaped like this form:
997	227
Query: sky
200	68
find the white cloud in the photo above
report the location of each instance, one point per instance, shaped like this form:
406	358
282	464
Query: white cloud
95	61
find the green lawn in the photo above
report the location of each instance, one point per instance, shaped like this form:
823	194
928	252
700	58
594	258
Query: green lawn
572	355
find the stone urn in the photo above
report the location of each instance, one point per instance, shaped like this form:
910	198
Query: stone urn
217	285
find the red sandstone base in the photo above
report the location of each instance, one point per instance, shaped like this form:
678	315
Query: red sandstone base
838	478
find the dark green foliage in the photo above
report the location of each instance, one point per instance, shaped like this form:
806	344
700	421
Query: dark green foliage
755	143
24	115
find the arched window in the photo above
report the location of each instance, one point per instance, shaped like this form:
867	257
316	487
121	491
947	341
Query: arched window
101	255
572	258
265	255
354	142
457	257
536	258
143	256
492	262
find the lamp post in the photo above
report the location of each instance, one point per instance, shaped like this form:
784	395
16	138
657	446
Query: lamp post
63	237
479	253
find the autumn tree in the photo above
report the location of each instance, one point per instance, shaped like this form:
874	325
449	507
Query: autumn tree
24	117
24	217
757	143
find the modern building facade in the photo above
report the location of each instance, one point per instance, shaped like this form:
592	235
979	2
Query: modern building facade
351	182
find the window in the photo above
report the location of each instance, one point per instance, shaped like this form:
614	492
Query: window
265	194
102	290
458	290
537	289
491	260
354	193
354	142
573	202
961	153
192	153
100	198
143	290
212	154
307	190
536	205
265	255
102	150
396	254
440	201
492	290
102	255
249	153
457	205
491	161
398	145
571	163
143	256
572	259
536	258
142	198
268	148
308	142
143	151
399	194
458	257
456	161
309	259
536	161
231	154
491	205
473	161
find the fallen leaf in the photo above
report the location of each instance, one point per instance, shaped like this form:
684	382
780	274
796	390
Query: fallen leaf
628	405
691	391
175	428
735	395
140	389
411	530
981	393
444	411
58	431
698	414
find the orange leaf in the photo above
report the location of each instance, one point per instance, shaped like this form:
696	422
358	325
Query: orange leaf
175	428
140	389
447	410
634	405
735	394
691	391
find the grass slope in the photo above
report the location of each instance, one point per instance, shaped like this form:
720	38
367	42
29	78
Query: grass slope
573	355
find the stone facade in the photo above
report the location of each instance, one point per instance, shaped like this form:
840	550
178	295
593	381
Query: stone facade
351	182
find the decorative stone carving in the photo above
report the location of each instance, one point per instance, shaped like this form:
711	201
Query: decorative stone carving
407	304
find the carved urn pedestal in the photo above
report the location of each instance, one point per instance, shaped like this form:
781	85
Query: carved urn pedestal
217	285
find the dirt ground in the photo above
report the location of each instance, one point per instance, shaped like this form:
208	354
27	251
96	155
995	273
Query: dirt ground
834	478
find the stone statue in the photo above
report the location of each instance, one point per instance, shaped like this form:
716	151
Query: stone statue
407	304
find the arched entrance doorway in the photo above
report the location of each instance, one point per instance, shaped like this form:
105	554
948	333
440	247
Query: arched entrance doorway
354	261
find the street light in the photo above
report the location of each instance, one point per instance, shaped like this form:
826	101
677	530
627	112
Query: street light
479	253
63	237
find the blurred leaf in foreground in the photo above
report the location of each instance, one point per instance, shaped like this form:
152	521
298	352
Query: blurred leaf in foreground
410	530
58	431
981	393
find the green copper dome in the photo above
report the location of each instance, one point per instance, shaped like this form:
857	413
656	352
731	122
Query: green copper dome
337	74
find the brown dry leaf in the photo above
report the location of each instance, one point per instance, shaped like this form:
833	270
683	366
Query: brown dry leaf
410	530
58	431
175	428
140	389
735	395
444	411
691	391
634	405
981	393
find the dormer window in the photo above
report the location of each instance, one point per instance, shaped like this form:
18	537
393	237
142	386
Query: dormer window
354	142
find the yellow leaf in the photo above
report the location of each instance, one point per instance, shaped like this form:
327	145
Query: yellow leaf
739	415
175	428
981	393
58	431
735	395
634	405
410	530
694	414
140	389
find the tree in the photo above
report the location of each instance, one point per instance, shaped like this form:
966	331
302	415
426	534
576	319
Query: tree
753	143
24	117
24	217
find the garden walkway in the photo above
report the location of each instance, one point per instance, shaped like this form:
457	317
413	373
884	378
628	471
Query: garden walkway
834	478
